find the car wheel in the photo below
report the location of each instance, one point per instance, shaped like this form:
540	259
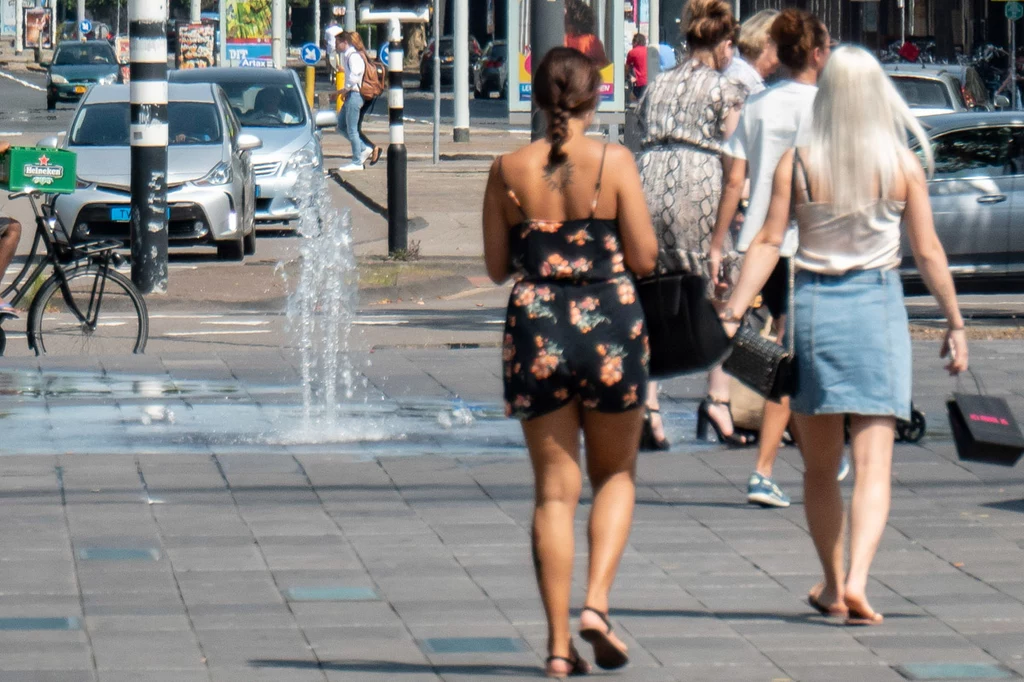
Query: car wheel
51	103
233	250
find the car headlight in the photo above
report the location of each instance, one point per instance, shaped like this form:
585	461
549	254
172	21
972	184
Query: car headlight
108	80
307	157
58	79
220	175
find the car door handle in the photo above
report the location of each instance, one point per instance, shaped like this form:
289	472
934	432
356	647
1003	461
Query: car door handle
992	199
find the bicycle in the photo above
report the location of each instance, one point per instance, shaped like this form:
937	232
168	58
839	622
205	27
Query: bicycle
85	306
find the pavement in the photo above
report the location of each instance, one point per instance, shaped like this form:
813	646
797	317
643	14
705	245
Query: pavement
198	513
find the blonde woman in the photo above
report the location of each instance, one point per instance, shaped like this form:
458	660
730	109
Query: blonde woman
758	57
852	183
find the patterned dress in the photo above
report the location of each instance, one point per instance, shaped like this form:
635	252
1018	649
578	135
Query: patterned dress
683	115
575	328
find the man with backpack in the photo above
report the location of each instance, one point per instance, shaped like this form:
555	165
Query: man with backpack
362	86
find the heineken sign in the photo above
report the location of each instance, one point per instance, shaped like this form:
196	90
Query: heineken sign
35	168
41	172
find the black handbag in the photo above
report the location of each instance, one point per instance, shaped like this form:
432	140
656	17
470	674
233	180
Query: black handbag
765	366
683	328
984	429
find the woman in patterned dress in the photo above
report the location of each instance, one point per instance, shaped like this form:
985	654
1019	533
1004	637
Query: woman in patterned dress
567	216
687	114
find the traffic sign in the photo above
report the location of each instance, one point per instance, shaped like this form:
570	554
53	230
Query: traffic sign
383	53
311	54
1014	11
85	26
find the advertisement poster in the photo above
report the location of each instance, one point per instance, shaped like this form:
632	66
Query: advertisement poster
38	28
122	49
196	46
248	39
594	27
8	18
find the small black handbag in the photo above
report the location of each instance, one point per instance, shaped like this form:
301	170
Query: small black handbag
683	328
765	366
984	428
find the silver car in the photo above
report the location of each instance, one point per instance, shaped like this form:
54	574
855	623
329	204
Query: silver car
269	104
977	197
210	184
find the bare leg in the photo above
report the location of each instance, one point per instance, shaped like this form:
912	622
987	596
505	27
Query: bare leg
821	444
553	442
611	442
8	245
773	426
872	439
652	404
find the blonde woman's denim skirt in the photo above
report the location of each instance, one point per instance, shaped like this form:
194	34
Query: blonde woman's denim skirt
852	343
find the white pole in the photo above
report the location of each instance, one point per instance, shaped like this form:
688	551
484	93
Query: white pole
653	39
81	17
19	36
317	23
903	22
222	11
278	32
461	72
350	15
196	11
117	21
436	70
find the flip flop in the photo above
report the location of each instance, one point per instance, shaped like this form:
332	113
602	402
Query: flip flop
861	614
606	654
834	611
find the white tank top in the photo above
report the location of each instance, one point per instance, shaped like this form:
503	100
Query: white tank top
832	244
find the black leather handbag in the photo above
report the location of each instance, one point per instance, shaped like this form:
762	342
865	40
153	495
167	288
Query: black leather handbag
765	366
683	328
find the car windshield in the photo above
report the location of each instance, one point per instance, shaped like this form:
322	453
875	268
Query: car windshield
263	105
923	93
107	124
499	52
68	55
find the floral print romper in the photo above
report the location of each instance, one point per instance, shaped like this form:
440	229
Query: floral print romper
575	328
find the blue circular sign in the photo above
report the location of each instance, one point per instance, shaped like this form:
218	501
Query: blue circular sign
383	53
311	54
85	26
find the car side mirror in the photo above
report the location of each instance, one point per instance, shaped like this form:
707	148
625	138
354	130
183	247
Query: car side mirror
325	119
1002	102
50	141
247	142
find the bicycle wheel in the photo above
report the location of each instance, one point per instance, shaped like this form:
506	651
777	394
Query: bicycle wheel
112	322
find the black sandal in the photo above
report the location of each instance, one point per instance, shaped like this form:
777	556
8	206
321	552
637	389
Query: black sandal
739	438
606	654
577	664
648	441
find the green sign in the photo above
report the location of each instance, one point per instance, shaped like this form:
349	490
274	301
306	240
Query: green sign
40	168
1014	10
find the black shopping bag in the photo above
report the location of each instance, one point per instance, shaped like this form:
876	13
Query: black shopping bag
984	429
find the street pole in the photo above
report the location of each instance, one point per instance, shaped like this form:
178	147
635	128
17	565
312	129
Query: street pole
438	15
278	30
1013	64
318	24
146	26
19	36
350	15
81	18
398	180
547	31
222	10
196	13
461	82
903	22
653	39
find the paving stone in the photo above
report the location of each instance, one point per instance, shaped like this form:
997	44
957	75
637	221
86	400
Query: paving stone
163	650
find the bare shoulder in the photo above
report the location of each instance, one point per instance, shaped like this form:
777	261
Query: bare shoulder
617	154
912	167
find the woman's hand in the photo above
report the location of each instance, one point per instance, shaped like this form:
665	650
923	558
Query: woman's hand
955	347
715	263
730	322
4	146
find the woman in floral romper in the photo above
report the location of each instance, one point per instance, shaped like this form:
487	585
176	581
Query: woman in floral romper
567	216
687	114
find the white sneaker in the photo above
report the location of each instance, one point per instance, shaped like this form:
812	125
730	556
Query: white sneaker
351	167
365	156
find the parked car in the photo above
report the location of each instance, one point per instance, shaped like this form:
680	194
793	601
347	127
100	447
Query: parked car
977	197
210	184
76	66
290	134
447	62
931	89
490	73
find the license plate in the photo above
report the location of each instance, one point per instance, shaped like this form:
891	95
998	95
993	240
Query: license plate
121	214
79	89
258	191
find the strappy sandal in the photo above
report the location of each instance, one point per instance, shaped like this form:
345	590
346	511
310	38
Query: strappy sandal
577	664
606	654
739	438
648	441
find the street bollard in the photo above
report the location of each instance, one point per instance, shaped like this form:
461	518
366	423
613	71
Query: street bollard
147	26
310	85
398	189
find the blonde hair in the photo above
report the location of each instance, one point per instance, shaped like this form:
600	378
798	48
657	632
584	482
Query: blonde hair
755	34
857	140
